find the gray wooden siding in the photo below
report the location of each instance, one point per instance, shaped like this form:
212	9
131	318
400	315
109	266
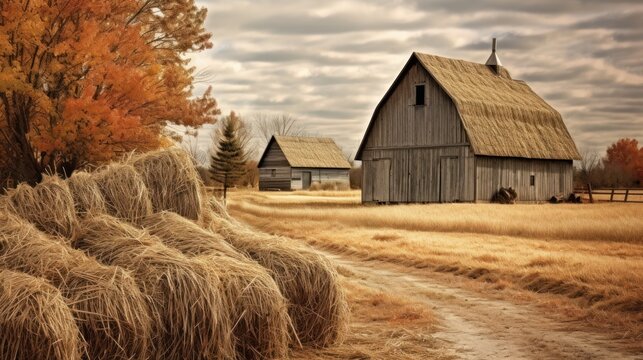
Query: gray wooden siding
551	177
415	138
401	123
274	157
274	160
281	180
320	176
415	174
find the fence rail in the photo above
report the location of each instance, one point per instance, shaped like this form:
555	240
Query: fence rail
632	195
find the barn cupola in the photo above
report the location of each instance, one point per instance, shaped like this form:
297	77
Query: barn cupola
494	62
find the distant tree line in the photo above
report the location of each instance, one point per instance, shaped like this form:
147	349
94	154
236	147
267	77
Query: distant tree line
622	166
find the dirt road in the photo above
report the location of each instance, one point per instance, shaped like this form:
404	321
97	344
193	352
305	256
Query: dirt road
476	327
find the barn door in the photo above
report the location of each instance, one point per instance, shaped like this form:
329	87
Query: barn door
306	177
381	183
449	179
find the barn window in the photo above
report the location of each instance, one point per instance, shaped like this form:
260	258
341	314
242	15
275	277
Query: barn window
419	94
273	172
532	180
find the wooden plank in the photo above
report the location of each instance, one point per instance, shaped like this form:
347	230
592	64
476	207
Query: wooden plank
382	186
449	179
401	123
552	177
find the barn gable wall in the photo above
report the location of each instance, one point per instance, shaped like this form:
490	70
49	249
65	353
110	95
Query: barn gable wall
400	123
274	159
410	142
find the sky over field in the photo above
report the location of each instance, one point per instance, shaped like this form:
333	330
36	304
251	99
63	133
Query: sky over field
330	62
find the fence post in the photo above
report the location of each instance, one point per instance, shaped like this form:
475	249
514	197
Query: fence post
589	190
627	192
612	195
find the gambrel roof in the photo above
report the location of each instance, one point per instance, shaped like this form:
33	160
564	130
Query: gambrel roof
309	152
501	116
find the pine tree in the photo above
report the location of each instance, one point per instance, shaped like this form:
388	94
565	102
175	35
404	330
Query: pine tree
228	159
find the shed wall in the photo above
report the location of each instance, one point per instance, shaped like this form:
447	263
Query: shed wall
551	177
320	176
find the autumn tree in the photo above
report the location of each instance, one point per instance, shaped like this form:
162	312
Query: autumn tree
227	164
623	162
82	81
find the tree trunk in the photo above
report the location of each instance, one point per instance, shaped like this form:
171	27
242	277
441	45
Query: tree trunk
225	188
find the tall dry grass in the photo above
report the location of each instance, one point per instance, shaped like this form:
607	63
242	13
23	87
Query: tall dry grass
586	259
602	222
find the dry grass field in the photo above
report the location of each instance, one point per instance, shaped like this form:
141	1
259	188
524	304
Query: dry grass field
583	264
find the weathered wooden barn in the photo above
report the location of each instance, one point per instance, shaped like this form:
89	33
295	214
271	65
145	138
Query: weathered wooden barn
451	130
296	162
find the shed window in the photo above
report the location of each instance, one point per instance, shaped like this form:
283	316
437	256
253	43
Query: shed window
532	180
273	172
419	94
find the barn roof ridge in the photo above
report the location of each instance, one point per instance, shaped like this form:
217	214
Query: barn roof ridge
309	152
501	116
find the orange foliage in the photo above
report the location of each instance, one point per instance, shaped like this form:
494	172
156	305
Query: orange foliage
84	80
626	156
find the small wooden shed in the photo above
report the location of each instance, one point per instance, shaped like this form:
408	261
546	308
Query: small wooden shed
451	130
296	162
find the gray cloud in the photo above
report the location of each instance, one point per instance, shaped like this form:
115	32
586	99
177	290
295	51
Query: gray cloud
330	63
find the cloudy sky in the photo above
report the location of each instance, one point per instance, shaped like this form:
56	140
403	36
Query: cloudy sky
330	62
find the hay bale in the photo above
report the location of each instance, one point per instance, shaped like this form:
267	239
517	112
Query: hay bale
505	196
48	205
173	181
111	312
35	322
189	238
190	318
317	303
258	308
86	194
126	196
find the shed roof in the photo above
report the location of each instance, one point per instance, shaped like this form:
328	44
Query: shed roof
501	116
310	152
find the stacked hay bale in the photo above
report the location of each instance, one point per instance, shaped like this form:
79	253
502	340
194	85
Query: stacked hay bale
126	196
181	292
111	312
86	194
35	322
318	306
190	318
172	180
257	307
48	205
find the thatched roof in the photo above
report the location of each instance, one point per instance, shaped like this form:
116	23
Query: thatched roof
501	116
310	152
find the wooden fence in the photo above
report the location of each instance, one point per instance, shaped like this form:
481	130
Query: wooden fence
632	195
